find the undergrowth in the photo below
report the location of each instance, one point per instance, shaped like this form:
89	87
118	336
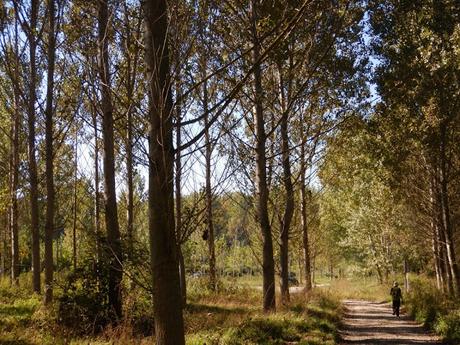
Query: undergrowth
435	310
231	315
300	323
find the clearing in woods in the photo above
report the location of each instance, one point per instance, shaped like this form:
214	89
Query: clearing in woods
372	323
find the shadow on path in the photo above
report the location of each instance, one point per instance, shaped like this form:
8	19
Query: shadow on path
370	323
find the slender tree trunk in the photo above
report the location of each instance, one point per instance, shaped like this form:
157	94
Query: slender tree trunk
436	244
14	170
130	175
3	245
445	265
169	324
305	196
208	188
406	276
130	84
97	211
269	303
289	190
178	192
110	199
49	226
445	209
75	201
33	175
437	256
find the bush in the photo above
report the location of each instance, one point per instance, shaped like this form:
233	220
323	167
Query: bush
448	326
437	312
424	302
83	306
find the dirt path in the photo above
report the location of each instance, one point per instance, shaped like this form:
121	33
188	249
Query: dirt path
370	323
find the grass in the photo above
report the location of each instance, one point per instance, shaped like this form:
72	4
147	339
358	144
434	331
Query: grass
359	288
300	322
230	316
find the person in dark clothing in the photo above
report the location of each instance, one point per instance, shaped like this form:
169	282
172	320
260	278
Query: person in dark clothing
396	297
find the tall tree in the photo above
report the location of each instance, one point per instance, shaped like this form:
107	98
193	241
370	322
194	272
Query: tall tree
49	225
288	186
262	191
169	325
114	251
14	161
418	81
33	174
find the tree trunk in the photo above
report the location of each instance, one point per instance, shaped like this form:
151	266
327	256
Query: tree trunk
268	262
114	254
437	257
97	212
49	226
14	169
75	205
178	191
3	245
305	197
438	219
445	209
406	276
208	189
130	175
169	324
289	190
436	240
130	84
33	175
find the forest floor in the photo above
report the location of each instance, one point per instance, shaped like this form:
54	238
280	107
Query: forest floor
372	323
231	316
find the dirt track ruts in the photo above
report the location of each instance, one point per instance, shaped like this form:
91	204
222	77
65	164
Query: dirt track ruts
371	323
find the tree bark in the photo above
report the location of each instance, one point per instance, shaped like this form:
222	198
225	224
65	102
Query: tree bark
33	175
97	211
269	303
169	324
132	62
305	196
75	196
436	237
208	189
14	168
289	190
110	200
445	208
178	194
49	226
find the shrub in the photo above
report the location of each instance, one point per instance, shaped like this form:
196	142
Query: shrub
449	326
424	301
83	305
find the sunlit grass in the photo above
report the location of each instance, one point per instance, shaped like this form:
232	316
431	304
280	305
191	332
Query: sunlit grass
231	315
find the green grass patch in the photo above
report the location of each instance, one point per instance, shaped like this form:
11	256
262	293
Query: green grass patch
312	322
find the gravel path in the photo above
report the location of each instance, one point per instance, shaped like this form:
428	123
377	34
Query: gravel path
370	323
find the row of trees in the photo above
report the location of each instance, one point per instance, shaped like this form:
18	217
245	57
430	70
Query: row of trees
396	199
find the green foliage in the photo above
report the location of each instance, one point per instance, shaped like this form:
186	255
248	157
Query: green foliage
424	301
429	306
83	306
449	326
